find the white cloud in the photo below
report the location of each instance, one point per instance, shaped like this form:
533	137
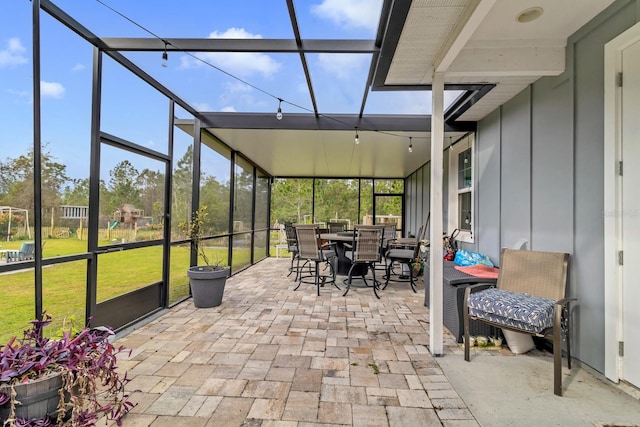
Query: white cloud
238	63
51	89
202	106
21	96
78	67
13	54
341	65
230	109
350	13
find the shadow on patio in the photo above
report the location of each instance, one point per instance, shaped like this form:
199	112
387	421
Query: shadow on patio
269	356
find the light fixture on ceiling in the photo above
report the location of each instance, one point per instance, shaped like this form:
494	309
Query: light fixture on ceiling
165	56
357	138
410	145
466	152
530	14
279	113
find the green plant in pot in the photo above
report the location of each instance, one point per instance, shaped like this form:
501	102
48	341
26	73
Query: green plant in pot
207	281
72	380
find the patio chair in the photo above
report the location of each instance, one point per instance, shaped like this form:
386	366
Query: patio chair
292	247
337	227
388	235
367	242
26	252
529	297
404	254
312	251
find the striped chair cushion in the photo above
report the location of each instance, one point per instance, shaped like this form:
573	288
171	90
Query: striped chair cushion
519	310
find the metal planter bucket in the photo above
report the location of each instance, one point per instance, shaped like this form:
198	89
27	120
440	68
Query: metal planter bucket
207	285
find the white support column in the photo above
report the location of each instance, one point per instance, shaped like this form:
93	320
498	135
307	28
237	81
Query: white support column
435	236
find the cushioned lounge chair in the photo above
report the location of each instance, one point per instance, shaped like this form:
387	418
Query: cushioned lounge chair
529	297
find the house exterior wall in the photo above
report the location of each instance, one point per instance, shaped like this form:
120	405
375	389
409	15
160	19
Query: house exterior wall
539	165
557	126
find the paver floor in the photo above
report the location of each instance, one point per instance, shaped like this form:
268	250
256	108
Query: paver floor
269	356
272	356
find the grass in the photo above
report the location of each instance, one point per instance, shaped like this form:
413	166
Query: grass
119	272
64	285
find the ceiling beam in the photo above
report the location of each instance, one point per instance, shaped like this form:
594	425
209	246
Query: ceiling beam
238	45
303	58
522	61
468	23
305	121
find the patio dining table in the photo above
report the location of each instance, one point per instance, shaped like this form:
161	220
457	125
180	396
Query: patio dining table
344	263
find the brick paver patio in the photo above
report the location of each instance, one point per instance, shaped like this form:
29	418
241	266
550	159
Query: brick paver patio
269	356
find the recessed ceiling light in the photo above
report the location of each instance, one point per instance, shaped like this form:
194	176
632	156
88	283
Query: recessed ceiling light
530	14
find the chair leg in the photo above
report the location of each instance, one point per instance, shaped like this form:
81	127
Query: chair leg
375	283
318	277
291	267
298	276
557	350
333	273
413	288
465	321
348	281
568	335
389	267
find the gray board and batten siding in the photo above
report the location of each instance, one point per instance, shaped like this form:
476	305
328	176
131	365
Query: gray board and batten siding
539	174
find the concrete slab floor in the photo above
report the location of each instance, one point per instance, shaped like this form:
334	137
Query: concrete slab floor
517	390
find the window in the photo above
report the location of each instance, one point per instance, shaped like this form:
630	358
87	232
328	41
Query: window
461	188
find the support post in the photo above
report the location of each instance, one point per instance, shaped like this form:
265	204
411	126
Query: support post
435	235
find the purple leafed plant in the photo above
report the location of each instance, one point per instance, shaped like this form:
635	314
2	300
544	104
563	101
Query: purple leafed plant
86	361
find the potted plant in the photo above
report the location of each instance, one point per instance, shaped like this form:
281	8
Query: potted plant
207	281
70	380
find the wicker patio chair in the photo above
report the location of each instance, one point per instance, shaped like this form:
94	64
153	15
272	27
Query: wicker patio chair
367	241
312	251
529	297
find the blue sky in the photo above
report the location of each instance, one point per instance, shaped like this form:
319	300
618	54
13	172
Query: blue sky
67	65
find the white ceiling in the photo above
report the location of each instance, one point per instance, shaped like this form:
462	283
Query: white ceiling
484	43
471	42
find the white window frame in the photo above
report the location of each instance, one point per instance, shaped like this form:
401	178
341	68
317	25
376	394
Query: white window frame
453	193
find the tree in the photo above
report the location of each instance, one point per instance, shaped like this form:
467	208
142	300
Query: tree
76	194
291	199
151	190
122	186
182	183
19	188
215	195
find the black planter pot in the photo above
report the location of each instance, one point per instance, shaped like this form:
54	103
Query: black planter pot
207	285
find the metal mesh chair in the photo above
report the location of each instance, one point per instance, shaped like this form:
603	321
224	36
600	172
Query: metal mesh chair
388	235
367	241
336	227
529	297
292	247
312	251
404	254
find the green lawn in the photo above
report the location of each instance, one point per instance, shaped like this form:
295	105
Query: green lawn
64	285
